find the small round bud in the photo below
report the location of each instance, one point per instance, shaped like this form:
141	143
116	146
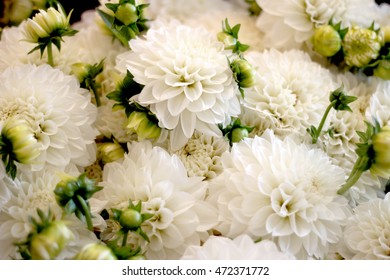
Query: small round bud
126	13
381	147
138	257
109	152
244	73
25	148
17	11
228	40
130	219
238	134
80	70
326	40
145	129
360	46
95	252
383	70
49	243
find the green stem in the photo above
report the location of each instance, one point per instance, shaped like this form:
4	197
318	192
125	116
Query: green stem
50	54
124	240
354	176
319	129
95	93
86	211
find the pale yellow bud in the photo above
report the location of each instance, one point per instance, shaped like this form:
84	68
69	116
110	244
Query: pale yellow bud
19	10
25	148
381	147
109	152
386	33
326	40
360	46
49	243
95	252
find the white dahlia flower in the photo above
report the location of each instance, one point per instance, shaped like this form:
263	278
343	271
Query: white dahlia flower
159	180
57	109
202	155
240	248
291	91
283	191
188	81
380	104
289	24
367	233
29	192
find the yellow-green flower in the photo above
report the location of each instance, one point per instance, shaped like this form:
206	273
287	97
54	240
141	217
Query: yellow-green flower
381	147
126	13
326	40
244	73
360	46
95	252
110	151
20	136
145	129
382	70
49	243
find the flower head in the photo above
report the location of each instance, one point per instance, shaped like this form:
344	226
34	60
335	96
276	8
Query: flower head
367	233
360	46
173	200
187	78
326	40
57	110
240	248
282	191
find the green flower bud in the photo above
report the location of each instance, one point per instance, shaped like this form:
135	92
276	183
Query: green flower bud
243	72
49	243
145	129
360	46
80	70
228	40
130	219
138	257
326	40
43	24
383	70
381	147
109	152
25	148
238	134
95	252
126	13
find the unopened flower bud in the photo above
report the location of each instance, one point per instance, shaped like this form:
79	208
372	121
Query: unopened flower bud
126	13
238	134
386	33
381	147
130	219
326	40
138	257
80	70
383	70
18	133
360	46
17	11
43	24
109	152
95	252
145	129
244	73
49	243
228	40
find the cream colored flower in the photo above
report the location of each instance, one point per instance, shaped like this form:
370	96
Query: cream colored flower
188	82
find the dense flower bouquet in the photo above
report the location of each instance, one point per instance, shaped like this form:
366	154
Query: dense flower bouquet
195	130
